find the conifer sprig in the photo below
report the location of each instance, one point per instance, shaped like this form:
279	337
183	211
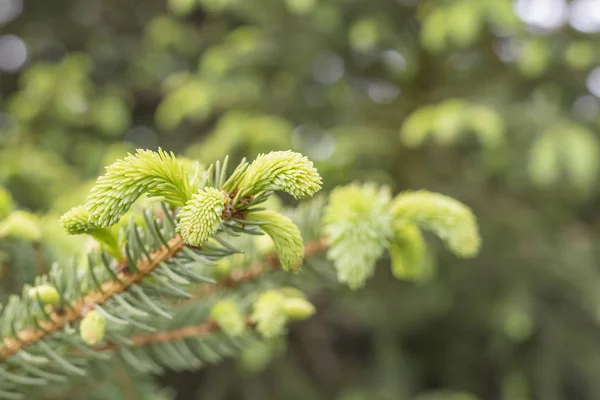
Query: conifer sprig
285	235
362	221
155	265
358	225
153	173
59	319
162	256
448	218
284	171
77	222
200	218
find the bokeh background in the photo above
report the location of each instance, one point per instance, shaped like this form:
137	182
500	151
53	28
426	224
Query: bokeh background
493	102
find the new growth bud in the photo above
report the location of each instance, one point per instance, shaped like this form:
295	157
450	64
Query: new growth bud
269	314
227	315
358	226
274	308
449	219
92	328
200	218
46	293
284	171
285	235
147	172
76	221
297	309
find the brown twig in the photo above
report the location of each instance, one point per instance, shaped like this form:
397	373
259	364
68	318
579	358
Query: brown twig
28	336
256	269
195	331
203	329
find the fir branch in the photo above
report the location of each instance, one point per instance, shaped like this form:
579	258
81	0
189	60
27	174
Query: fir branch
258	268
154	173
29	336
194	331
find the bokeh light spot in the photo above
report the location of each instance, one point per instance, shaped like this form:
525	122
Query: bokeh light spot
542	14
313	141
9	10
328	68
585	16
382	92
13	53
593	82
586	107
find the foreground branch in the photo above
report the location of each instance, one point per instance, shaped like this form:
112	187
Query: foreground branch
27	337
72	313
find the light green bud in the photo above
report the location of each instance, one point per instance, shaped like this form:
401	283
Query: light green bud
285	235
200	218
227	315
92	328
284	171
46	293
269	315
449	219
358	227
297	309
292	292
156	174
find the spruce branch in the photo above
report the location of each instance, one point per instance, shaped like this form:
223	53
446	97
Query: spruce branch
270	263
225	317
155	174
72	313
153	268
133	301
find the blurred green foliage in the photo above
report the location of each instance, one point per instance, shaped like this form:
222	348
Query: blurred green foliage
461	97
